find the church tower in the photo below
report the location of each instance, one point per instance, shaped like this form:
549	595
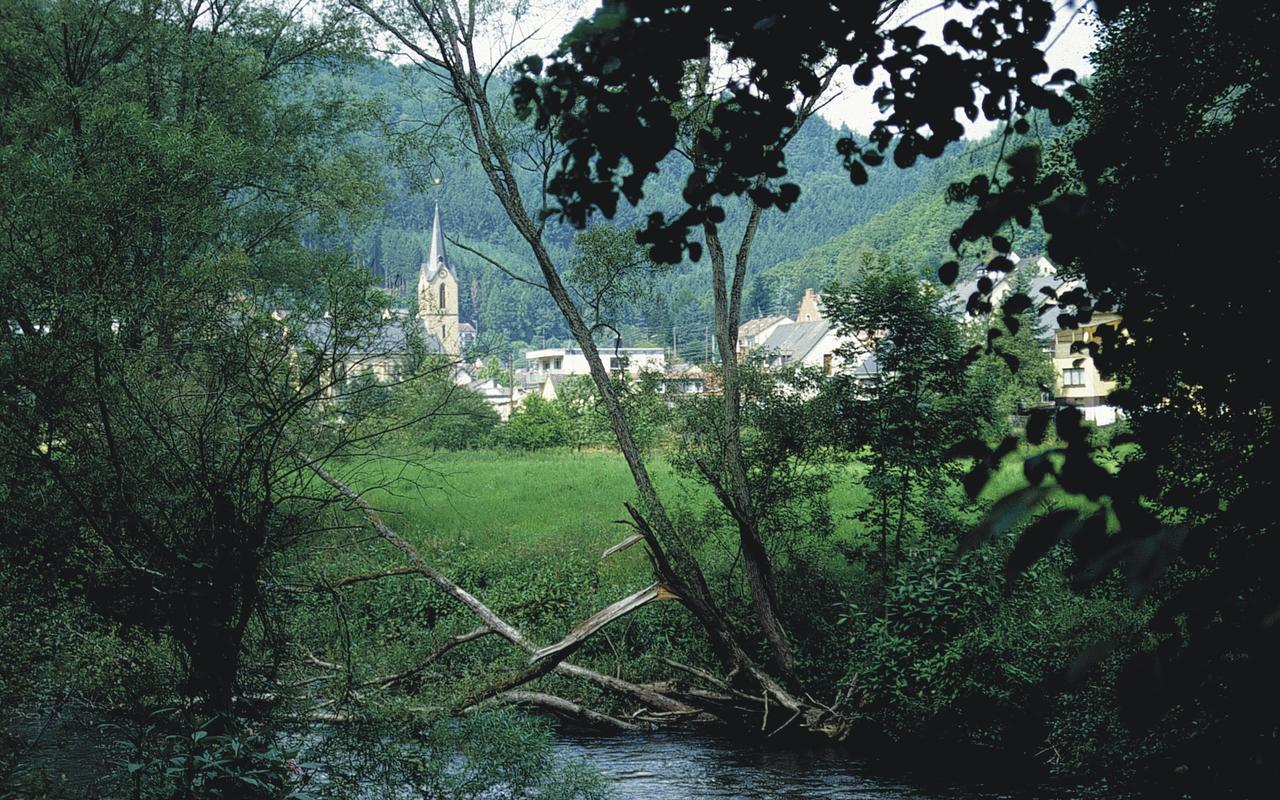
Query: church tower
438	294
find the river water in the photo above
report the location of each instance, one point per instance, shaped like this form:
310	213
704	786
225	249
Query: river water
667	765
678	766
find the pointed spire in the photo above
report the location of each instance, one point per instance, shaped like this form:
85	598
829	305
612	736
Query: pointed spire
436	257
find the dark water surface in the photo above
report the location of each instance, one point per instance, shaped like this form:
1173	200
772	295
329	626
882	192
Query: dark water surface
675	766
665	765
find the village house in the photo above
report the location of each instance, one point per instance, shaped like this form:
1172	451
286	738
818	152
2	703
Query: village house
754	332
1077	381
502	399
810	340
683	379
466	334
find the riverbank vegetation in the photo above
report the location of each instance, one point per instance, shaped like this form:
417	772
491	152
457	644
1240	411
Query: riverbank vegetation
252	525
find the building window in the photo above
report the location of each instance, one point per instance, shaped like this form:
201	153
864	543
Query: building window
826	363
442	297
1073	377
557	363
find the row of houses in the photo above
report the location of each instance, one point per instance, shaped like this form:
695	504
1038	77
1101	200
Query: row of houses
810	339
549	369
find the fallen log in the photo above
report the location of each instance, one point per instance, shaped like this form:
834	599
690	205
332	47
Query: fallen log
491	620
568	709
692	703
583	630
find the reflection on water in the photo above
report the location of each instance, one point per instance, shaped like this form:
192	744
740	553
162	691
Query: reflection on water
675	766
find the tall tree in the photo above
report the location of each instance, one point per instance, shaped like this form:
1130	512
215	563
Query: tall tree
161	162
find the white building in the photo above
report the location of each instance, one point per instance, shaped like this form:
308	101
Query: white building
754	332
572	361
810	340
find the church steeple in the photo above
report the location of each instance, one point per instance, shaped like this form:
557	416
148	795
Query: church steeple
436	257
438	292
435	254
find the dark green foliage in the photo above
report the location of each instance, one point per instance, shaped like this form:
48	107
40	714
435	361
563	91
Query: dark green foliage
913	407
150	400
169	756
431	412
625	68
954	651
1136	206
786	447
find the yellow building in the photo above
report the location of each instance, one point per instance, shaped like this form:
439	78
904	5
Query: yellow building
1078	382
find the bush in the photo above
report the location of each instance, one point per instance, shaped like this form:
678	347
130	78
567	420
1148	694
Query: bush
958	651
536	425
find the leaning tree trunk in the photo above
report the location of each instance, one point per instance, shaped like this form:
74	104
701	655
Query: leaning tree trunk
675	565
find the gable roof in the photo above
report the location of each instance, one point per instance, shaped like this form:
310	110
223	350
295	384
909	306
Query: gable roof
391	338
794	341
1044	277
758	325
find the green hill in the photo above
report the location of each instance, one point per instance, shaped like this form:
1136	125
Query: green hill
901	213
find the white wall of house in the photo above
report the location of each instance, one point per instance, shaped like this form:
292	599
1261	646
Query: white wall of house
749	342
572	361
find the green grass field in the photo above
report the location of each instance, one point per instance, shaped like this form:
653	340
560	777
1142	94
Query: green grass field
501	499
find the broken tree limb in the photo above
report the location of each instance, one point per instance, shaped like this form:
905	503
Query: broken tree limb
491	620
695	672
584	630
622	545
545	659
372	576
567	708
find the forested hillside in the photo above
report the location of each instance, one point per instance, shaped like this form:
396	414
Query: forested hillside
428	170
913	233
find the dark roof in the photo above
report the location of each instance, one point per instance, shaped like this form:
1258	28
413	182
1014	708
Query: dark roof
390	338
958	297
797	339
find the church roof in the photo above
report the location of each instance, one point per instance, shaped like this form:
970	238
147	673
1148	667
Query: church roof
390	338
436	258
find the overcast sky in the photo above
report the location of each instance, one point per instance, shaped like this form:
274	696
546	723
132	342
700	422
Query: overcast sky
1073	39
